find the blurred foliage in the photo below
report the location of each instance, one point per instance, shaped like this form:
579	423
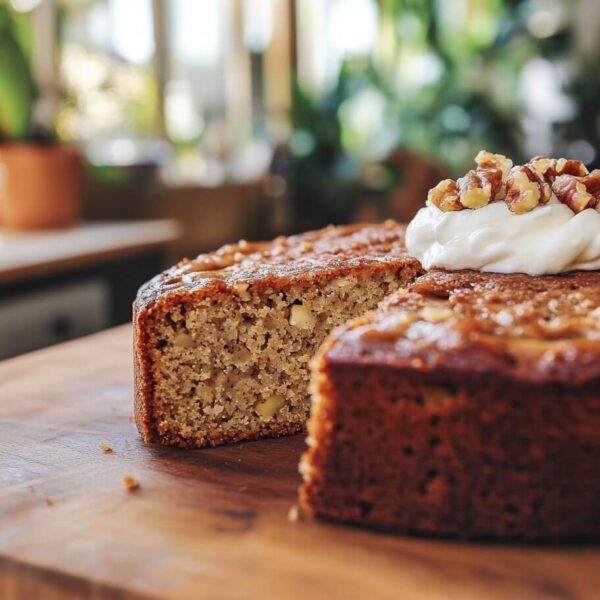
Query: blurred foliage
17	88
322	175
461	95
584	126
103	96
98	92
439	82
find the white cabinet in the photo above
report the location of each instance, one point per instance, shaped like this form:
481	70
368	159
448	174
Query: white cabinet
36	319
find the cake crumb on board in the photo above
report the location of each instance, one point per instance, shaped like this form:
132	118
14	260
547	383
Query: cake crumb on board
106	448
131	483
294	514
49	502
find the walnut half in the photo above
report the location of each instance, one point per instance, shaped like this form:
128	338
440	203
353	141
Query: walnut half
578	193
487	160
477	188
526	188
445	196
551	168
522	187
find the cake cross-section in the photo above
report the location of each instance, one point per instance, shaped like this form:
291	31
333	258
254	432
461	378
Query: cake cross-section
223	342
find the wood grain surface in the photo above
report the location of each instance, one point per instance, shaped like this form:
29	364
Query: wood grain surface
204	523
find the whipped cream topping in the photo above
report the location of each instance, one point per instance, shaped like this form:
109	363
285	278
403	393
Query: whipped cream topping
547	240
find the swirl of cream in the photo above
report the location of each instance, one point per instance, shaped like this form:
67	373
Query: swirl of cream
548	239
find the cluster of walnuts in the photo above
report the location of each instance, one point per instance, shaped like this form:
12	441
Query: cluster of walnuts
522	187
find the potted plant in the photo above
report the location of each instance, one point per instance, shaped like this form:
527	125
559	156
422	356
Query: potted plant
40	179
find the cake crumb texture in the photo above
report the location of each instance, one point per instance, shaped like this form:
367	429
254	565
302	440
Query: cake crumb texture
223	343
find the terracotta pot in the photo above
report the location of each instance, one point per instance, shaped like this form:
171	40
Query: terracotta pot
40	186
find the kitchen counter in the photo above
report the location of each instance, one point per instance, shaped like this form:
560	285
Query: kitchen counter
25	255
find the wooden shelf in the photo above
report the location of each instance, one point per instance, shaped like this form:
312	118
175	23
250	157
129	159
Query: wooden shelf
28	255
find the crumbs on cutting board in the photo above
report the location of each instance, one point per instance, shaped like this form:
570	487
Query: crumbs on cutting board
49	502
131	483
106	448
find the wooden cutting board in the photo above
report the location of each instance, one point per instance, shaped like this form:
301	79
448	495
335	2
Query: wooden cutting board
205	523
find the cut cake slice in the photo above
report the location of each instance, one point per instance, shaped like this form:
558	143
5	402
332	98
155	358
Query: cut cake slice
223	342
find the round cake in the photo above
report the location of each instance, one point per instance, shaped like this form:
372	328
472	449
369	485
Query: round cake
469	405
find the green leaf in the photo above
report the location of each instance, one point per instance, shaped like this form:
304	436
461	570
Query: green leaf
17	89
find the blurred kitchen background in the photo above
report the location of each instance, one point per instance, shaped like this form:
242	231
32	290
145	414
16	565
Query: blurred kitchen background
136	132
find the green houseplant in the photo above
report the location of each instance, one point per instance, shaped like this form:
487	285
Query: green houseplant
442	84
40	179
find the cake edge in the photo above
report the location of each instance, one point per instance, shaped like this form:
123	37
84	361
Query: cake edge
145	311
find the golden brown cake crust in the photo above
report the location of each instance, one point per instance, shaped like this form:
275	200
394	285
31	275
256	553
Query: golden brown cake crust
468	407
309	258
304	257
538	329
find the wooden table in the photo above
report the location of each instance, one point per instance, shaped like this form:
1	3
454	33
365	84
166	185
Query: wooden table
205	523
